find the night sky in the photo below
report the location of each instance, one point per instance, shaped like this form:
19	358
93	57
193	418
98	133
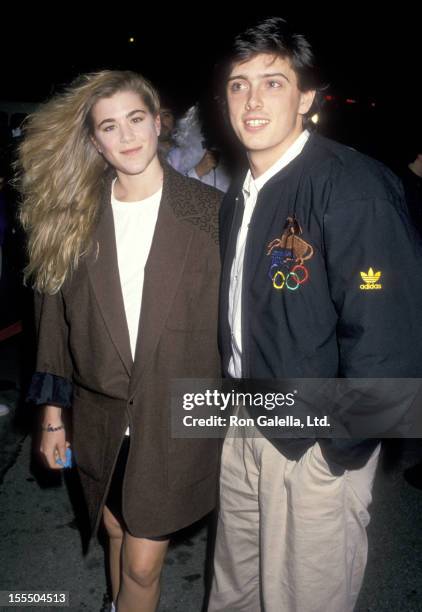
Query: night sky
364	57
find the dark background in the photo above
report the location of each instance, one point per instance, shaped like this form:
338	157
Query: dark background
368	54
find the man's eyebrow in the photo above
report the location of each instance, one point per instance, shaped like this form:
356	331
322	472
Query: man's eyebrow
261	76
110	119
137	110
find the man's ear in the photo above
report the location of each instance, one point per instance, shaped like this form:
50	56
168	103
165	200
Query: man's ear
157	121
306	101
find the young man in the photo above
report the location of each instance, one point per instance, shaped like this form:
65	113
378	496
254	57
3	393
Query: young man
293	513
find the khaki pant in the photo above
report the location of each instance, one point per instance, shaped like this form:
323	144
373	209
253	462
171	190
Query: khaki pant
291	537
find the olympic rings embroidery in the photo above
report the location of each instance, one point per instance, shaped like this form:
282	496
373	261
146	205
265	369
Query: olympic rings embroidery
302	268
290	278
285	281
282	282
288	254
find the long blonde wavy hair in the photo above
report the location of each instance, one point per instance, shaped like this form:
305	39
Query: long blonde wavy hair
60	174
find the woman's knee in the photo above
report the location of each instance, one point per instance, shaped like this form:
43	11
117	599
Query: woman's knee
145	572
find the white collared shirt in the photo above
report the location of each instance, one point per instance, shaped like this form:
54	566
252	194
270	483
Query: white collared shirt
251	189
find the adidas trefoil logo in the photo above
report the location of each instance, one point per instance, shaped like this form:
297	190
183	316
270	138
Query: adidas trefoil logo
371	279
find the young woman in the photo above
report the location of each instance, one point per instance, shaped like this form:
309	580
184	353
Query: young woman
124	262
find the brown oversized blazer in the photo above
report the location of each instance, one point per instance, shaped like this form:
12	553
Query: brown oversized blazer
83	338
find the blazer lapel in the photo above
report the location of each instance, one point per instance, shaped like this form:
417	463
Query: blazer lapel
163	271
103	271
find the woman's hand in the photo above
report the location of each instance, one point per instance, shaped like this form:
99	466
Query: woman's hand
53	438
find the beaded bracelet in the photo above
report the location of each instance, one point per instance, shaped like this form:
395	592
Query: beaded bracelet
51	428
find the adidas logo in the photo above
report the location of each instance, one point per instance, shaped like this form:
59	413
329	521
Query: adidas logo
370	279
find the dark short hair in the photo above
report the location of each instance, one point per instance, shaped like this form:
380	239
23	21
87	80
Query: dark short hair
273	36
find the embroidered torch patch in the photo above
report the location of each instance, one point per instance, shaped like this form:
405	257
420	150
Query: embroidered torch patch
288	254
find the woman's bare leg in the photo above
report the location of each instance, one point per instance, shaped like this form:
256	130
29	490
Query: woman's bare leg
142	561
115	538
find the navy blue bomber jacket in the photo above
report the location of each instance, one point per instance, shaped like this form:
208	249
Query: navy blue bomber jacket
353	308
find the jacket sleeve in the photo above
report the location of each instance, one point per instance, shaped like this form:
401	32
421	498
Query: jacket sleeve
373	260
373	266
52	381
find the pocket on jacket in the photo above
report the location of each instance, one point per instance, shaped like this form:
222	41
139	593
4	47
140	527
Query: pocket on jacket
89	436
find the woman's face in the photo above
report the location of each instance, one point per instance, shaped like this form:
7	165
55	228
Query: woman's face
125	132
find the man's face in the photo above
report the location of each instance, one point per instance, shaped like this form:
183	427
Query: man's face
266	107
167	124
125	132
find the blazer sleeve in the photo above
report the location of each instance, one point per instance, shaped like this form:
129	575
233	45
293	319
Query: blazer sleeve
52	381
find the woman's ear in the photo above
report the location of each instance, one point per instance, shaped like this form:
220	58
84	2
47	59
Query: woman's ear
96	145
